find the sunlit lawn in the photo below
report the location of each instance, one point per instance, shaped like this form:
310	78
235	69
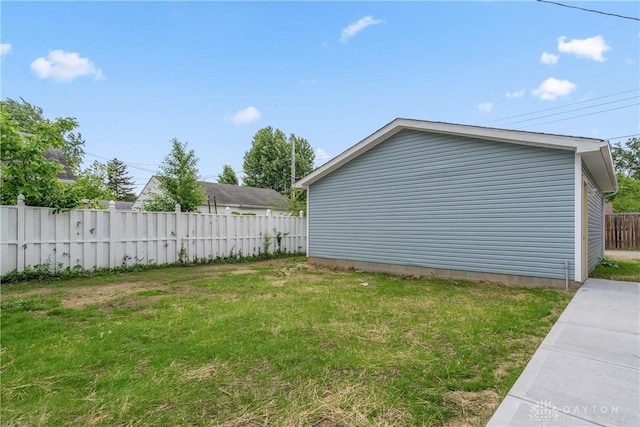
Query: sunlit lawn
265	343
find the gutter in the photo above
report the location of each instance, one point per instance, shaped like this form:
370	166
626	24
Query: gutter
605	151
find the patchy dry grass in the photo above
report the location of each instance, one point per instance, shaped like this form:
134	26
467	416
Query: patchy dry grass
626	270
268	343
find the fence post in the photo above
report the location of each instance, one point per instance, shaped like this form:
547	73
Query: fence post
269	231
179	246
21	249
227	233
113	227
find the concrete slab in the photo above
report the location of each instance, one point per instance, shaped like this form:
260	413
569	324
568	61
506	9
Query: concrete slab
617	348
522	413
604	317
587	369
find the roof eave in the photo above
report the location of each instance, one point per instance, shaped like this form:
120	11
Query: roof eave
605	177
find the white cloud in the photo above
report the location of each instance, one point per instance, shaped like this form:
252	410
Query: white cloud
321	156
5	48
552	88
358	26
249	114
485	107
515	94
310	82
65	66
549	58
591	48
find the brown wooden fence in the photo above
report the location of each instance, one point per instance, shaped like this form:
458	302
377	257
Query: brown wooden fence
622	231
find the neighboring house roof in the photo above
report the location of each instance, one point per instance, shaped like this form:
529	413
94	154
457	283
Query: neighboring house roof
233	196
54	154
595	153
242	196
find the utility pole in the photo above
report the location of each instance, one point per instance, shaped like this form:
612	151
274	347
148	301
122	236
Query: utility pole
293	167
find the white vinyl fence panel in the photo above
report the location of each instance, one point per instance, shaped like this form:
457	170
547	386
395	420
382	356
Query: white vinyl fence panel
87	239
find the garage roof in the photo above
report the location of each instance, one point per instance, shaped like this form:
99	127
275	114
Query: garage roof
595	153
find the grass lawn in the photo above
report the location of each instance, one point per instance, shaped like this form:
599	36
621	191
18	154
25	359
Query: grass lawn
266	343
618	269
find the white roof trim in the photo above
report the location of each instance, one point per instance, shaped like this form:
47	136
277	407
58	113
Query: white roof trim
577	144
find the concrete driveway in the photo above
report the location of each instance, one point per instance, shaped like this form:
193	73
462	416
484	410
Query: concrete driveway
586	372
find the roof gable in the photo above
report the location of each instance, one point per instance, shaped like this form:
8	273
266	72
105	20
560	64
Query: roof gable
597	155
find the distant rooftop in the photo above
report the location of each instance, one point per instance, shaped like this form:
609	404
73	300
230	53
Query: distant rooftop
242	196
58	155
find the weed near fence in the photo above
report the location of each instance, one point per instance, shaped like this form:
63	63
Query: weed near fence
45	272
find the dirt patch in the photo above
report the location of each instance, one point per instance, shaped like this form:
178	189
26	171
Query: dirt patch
623	254
475	407
242	271
202	372
89	295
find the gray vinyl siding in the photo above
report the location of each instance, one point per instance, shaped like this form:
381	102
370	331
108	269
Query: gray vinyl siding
595	222
429	200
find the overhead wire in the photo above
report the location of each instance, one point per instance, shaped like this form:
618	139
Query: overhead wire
565	105
582	115
575	109
624	136
128	164
591	10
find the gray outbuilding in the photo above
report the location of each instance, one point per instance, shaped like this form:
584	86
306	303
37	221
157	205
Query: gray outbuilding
458	201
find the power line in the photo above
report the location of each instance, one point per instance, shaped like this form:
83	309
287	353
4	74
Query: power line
128	164
574	110
625	136
564	106
581	115
591	10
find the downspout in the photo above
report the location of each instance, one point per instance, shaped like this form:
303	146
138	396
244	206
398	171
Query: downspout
566	275
605	151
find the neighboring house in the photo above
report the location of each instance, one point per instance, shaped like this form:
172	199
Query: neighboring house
66	175
457	201
120	205
238	198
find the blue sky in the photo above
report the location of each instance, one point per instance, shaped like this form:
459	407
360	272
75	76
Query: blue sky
137	74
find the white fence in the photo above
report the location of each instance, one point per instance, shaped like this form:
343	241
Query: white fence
87	239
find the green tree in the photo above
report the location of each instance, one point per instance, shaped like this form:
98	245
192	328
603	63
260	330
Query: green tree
627	199
295	202
627	158
29	119
267	164
228	176
25	170
178	177
118	179
93	184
